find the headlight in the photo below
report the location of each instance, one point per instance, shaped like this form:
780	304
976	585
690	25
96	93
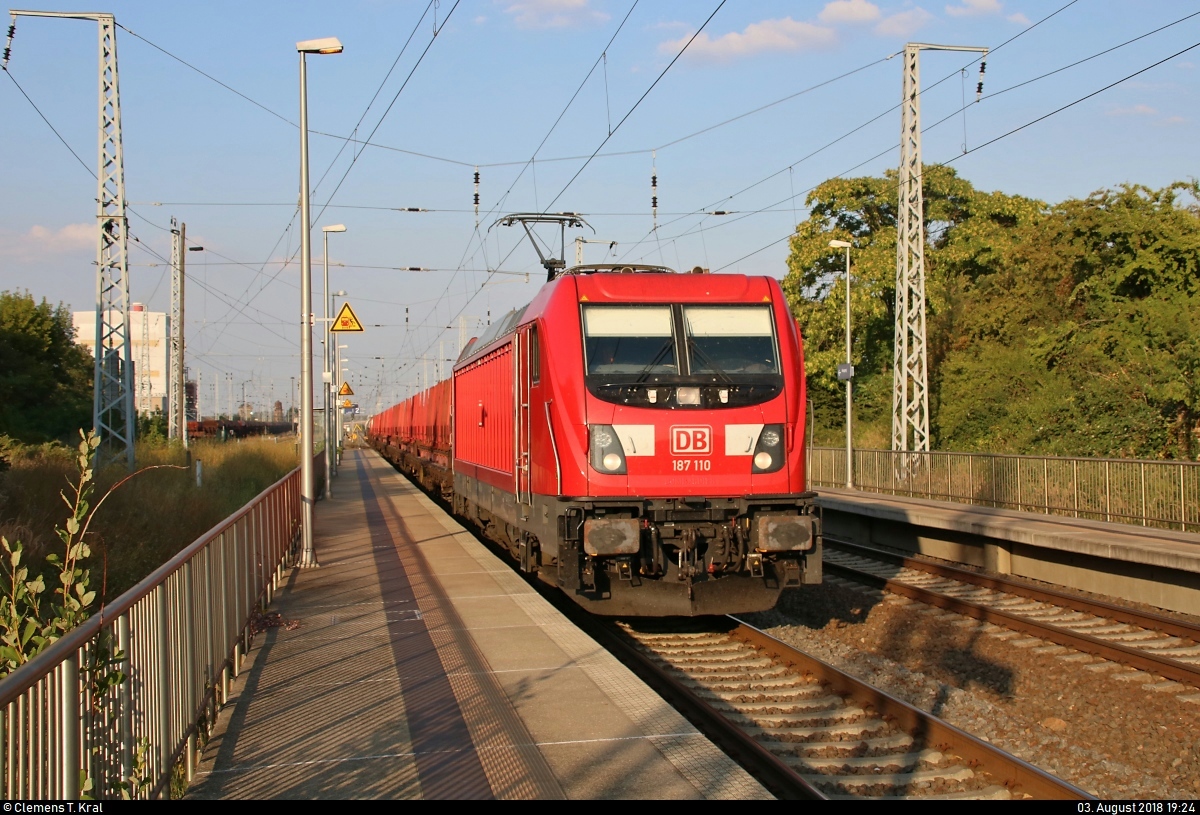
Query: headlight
606	453
769	454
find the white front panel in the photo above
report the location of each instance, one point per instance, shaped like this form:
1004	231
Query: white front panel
741	438
636	439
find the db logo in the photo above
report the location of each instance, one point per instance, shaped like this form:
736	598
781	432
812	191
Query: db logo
695	441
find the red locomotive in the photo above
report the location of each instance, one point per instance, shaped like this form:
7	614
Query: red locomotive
635	436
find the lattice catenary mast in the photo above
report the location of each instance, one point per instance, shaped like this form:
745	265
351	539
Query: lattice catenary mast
112	391
910	377
176	401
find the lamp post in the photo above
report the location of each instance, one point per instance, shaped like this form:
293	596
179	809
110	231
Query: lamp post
846	372
341	372
328	45
337	428
325	230
331	387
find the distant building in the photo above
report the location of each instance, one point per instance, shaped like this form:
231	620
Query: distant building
277	416
150	352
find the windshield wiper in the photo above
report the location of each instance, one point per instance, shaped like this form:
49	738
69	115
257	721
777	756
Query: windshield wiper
694	347
662	352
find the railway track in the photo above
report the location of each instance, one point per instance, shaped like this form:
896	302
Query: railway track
808	730
1160	645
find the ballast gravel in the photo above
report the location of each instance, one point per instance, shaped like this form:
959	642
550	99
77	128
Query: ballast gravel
1114	732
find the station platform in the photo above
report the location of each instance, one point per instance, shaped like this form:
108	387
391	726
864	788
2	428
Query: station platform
1158	567
414	664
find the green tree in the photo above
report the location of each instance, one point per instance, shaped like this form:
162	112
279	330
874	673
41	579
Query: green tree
1093	323
970	234
45	378
1066	330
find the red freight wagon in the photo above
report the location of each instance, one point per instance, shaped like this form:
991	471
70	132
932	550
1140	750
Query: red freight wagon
634	436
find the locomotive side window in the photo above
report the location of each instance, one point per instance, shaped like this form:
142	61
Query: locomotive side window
730	340
535	356
623	340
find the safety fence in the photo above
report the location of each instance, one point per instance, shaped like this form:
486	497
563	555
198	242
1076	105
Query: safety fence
113	708
1161	494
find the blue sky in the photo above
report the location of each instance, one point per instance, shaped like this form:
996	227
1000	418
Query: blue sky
487	92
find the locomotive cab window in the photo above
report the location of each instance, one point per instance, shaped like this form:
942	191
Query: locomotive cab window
535	356
730	340
629	340
681	356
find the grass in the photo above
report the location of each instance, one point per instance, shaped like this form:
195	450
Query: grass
149	518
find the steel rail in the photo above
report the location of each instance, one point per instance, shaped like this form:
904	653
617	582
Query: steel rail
780	779
1122	614
1134	657
1017	773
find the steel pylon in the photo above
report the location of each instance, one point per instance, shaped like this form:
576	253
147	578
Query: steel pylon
176	421
113	414
113	410
910	370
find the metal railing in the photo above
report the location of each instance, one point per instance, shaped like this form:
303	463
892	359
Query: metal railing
1161	494
121	699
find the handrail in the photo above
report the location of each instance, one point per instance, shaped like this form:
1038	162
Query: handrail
177	637
1161	494
22	678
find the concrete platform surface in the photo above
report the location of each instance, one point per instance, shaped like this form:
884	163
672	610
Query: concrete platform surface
421	667
1137	544
1158	567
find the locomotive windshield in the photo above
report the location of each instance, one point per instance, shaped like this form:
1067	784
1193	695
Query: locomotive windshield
623	340
730	340
681	356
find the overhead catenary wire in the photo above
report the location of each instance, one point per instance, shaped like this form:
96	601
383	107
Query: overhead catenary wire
1011	132
634	245
613	131
530	162
710	224
928	128
355	158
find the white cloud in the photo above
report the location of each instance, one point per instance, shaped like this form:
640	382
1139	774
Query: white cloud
554	13
480	20
849	11
903	23
975	8
1019	19
40	241
769	35
1173	120
1136	110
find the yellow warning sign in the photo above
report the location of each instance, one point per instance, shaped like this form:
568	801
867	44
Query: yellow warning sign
347	404
346	390
346	320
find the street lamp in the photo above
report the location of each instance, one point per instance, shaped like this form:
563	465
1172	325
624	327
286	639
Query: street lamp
325	230
328	45
341	372
331	387
846	371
